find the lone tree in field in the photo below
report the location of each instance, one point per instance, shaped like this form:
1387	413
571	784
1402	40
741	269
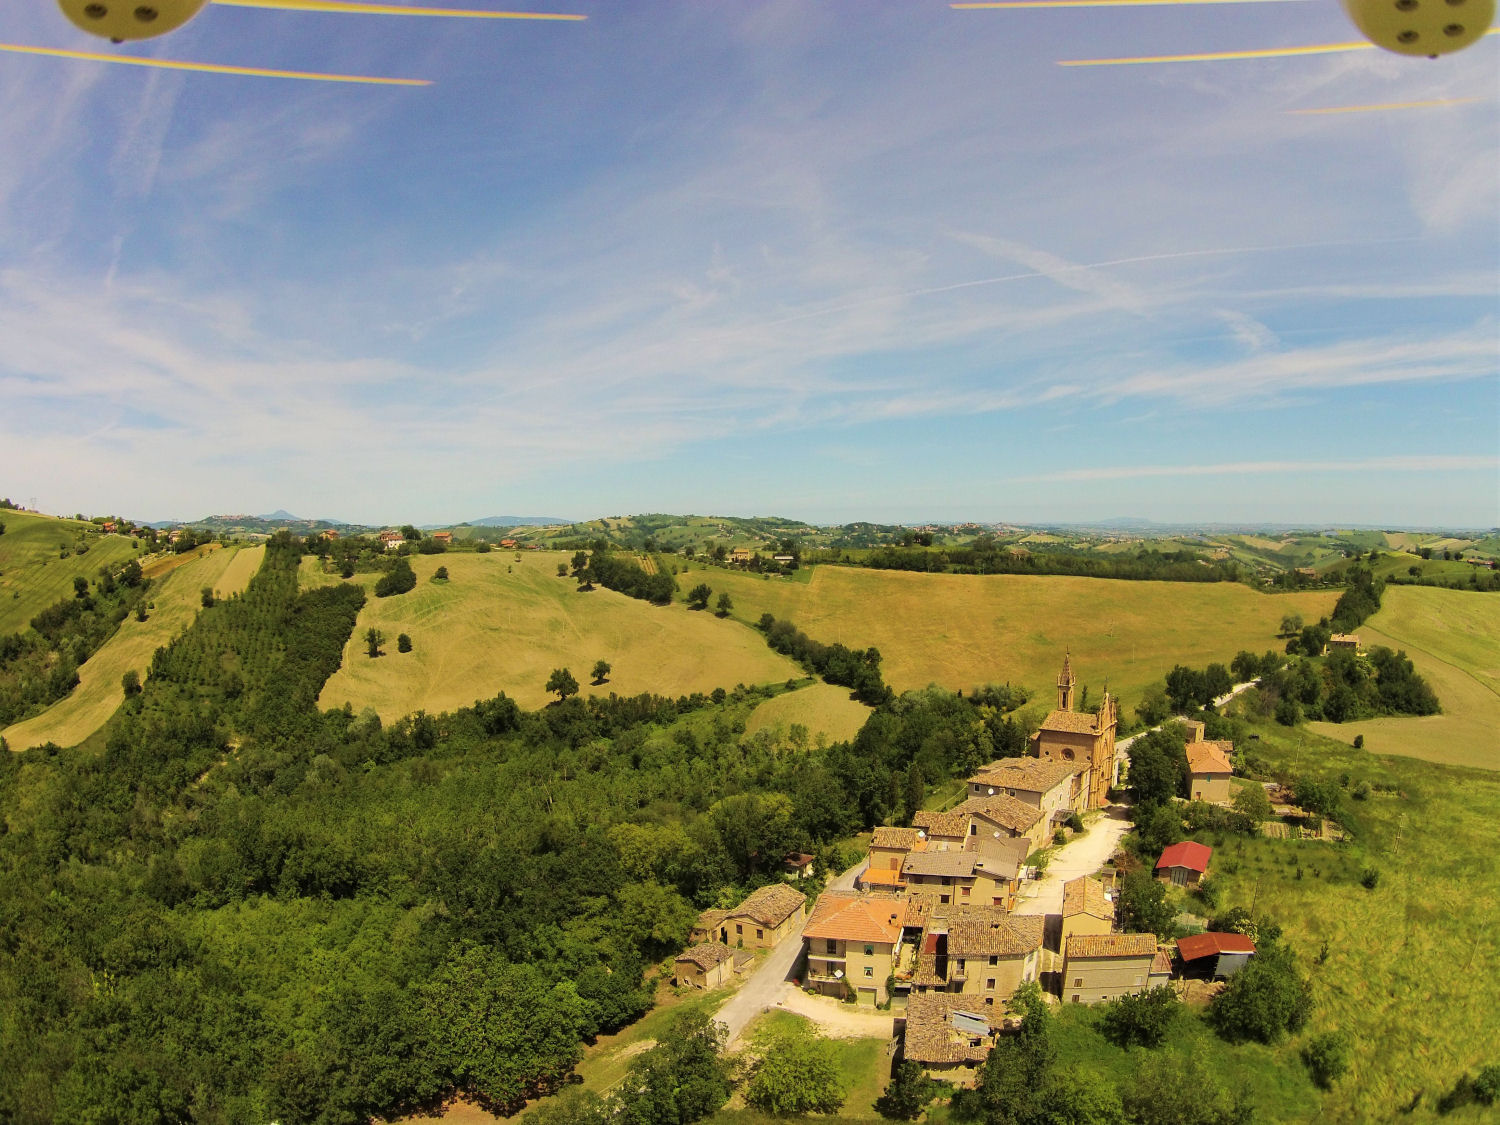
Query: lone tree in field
601	671
374	638
698	596
726	603
441	574
130	682
208	597
1291	625
562	682
403	643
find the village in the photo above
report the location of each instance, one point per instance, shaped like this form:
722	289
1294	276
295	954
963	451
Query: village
945	919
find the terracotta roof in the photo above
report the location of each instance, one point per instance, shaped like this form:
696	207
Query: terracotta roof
855	917
932	1035
1034	775
926	975
711	918
706	954
918	907
1004	857
904	839
1162	964
770	906
952	823
958	864
1071	722
1344	638
1086	896
1211	944
1210	757
1003	810
1112	945
986	932
1187	854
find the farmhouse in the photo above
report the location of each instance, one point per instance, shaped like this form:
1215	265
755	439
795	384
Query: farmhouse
1073	736
799	865
705	965
392	539
852	943
1104	966
1003	816
889	847
943	830
1214	955
980	952
1348	642
961	876
507	542
766	917
443	537
740	555
1210	770
1184	864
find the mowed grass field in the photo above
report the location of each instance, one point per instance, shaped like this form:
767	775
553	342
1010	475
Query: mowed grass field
962	630
502	624
1453	639
177	597
1412	967
33	577
824	709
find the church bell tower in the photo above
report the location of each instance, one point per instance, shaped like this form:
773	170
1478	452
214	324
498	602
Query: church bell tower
1065	683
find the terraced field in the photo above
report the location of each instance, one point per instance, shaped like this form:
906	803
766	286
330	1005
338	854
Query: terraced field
177	598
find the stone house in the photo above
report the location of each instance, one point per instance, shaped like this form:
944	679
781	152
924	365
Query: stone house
946	1037
1080	737
1105	966
979	952
1086	909
889	848
852	942
1057	788
705	965
1210	769
765	918
1003	816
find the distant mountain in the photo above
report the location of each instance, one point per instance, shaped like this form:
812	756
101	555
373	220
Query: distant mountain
282	514
519	521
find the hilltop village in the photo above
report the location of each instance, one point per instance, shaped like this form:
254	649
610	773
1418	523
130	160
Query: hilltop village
946	918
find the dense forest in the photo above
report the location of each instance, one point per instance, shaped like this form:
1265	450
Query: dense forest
235	908
987	556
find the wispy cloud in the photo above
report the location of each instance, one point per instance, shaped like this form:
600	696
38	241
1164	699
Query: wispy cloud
1396	464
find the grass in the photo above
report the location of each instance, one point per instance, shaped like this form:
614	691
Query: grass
823	709
502	624
1453	639
962	630
863	1063
177	598
1412	968
33	576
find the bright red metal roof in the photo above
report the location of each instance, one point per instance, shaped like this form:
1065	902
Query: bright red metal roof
1187	854
1210	945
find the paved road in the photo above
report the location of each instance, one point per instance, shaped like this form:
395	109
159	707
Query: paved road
768	983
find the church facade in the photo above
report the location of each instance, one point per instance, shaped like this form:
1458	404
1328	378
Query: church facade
1080	738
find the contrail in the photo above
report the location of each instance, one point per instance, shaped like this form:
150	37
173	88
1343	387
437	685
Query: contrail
1385	105
349	7
212	68
1030	274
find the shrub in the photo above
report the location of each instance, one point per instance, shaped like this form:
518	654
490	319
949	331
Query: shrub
1075	822
1369	878
441	573
1487	1085
1359	742
1264	1000
398	580
1327	1057
799	1073
403	643
1142	1020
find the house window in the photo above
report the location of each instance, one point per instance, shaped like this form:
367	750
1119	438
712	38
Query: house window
946	880
990	1000
1075	997
869	951
738	928
869	971
833	946
759	933
973	829
943	899
998	902
964	892
989	985
1077	982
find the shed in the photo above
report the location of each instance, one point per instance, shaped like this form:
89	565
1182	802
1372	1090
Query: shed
1214	955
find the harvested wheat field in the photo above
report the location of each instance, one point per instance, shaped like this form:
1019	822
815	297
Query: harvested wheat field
177	598
821	709
502	624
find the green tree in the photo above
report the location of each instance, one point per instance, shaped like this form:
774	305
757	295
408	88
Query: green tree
1143	1019
1158	765
403	643
562	682
1264	1000
130	682
562	570
1157	826
1291	625
1155	707
725	604
1183	1089
398	580
1143	902
80	586
909	1093
698	596
601	671
1327	1057
374	638
1251	801
207	596
797	1074
441	574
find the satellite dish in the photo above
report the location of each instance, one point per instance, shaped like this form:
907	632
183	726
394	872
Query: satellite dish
991	791
921	835
838	974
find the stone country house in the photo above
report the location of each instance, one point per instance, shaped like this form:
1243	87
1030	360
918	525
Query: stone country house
762	921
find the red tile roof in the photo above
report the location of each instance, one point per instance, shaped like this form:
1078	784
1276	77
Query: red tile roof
1211	944
1193	856
1210	757
854	917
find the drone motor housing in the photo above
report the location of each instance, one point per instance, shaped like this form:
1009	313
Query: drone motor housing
119	20
1421	27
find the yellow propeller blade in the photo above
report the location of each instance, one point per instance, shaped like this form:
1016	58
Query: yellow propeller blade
212	68
1221	56
1384	105
350	7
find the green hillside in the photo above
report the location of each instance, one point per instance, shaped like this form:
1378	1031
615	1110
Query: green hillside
41	555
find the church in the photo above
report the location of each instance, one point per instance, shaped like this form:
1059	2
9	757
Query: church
1080	737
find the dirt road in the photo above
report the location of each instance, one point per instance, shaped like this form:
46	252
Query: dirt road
1083	855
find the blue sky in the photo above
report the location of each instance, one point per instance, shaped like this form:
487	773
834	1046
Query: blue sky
823	258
